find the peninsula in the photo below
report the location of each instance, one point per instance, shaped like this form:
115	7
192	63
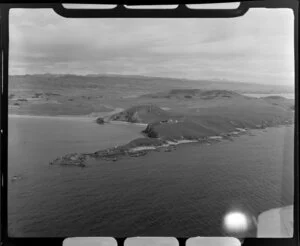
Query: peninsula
213	115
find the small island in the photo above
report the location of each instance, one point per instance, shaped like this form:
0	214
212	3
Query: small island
100	121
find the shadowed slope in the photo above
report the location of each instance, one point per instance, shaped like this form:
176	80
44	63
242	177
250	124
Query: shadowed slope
141	114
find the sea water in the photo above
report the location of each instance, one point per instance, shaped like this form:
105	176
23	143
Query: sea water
186	192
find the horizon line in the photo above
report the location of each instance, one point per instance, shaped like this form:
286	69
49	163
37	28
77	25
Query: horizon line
152	76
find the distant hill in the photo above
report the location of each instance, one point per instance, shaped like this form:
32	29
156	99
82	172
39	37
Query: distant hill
280	101
193	93
141	114
67	94
274	98
151	83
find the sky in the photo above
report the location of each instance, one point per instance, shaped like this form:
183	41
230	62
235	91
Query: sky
256	48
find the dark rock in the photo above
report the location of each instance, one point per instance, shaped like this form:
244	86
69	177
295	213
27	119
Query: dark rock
22	100
37	95
52	94
100	121
73	159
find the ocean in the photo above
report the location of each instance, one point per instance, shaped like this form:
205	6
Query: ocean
183	193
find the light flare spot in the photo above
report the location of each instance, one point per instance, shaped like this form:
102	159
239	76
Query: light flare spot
236	222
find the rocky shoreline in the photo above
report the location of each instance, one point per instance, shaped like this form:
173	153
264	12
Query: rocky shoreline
143	146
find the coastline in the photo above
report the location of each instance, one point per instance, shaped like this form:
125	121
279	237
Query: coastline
140	146
137	149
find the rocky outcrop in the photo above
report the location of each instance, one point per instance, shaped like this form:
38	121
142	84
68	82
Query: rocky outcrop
100	121
135	148
141	114
73	159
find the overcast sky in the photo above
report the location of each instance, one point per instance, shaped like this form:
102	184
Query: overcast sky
257	47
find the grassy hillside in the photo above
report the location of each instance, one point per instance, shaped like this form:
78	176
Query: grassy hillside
142	114
226	112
